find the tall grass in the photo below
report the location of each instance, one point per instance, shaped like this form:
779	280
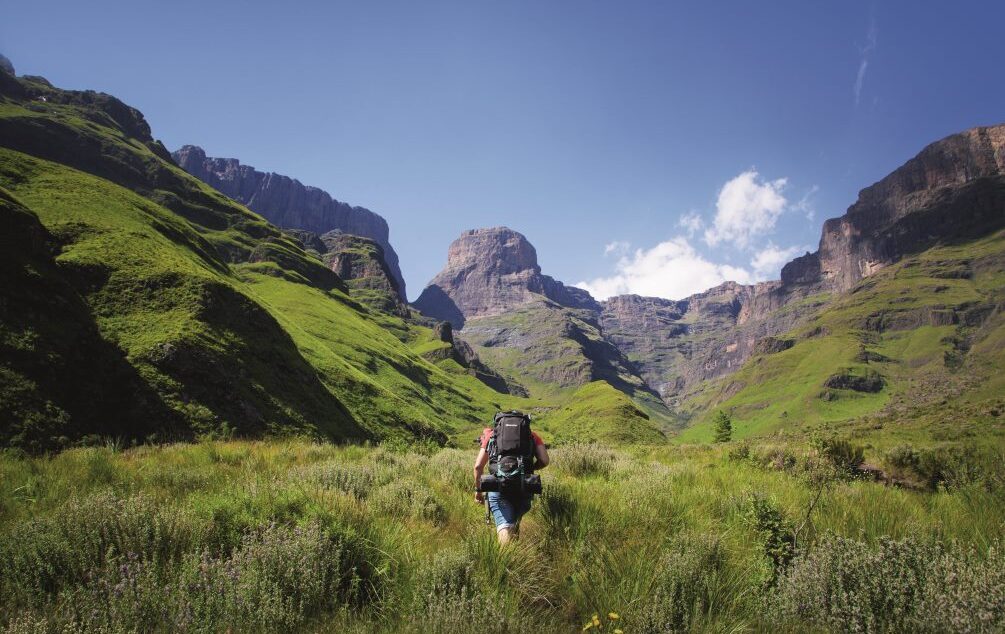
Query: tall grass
295	536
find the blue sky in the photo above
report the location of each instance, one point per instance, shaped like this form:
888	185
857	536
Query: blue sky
650	147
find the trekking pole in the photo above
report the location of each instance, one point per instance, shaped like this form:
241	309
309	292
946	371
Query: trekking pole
488	514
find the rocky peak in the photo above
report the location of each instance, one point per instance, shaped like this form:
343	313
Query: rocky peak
289	204
953	189
488	272
498	250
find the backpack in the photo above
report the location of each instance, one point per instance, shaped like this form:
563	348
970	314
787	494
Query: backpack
511	450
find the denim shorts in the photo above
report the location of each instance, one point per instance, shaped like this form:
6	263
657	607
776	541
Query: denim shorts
506	511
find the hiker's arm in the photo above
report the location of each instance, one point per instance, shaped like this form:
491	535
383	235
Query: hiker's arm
541	452
480	462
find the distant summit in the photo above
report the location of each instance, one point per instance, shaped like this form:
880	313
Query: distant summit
289	204
488	272
6	65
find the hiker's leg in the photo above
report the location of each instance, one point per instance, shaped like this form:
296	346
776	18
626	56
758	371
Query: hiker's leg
505	535
505	515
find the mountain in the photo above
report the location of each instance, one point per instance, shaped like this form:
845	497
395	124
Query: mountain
950	193
287	203
138	303
536	331
488	272
921	249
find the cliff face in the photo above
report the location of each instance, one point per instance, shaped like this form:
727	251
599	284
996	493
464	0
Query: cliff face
491	271
287	203
952	190
678	345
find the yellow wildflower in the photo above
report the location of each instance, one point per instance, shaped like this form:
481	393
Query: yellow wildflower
596	620
587	626
619	631
613	616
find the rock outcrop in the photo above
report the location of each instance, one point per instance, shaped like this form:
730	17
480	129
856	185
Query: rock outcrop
6	65
489	272
953	190
287	203
360	265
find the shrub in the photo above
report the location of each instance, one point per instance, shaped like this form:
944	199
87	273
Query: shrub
40	557
846	585
275	580
777	533
408	499
358	480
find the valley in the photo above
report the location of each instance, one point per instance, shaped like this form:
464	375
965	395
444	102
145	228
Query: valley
220	412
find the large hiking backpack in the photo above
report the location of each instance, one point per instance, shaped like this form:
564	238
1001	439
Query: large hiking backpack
511	451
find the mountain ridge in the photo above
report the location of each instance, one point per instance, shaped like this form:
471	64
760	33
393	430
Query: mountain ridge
953	190
288	203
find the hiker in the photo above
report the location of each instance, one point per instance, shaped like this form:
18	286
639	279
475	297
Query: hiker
513	452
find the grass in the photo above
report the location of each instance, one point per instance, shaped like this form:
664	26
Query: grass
309	537
597	412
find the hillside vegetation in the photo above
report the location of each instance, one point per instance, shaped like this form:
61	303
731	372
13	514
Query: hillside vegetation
912	352
296	536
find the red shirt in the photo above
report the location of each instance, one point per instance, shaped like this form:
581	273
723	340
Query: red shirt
488	434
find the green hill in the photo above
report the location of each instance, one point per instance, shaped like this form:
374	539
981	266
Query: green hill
916	348
137	302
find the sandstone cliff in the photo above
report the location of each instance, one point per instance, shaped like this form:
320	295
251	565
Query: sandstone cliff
488	272
952	190
287	203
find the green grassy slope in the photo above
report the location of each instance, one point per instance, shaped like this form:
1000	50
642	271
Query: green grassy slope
909	345
597	412
220	321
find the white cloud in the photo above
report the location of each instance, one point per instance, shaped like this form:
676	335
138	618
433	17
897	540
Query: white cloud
767	263
671	269
863	65
747	207
618	248
691	222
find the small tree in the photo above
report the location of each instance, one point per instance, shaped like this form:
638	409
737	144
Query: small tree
723	426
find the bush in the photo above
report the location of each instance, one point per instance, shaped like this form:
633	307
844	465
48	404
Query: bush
408	499
40	557
358	480
950	468
847	585
278	578
777	533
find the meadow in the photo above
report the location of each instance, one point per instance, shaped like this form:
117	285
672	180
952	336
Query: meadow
294	535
